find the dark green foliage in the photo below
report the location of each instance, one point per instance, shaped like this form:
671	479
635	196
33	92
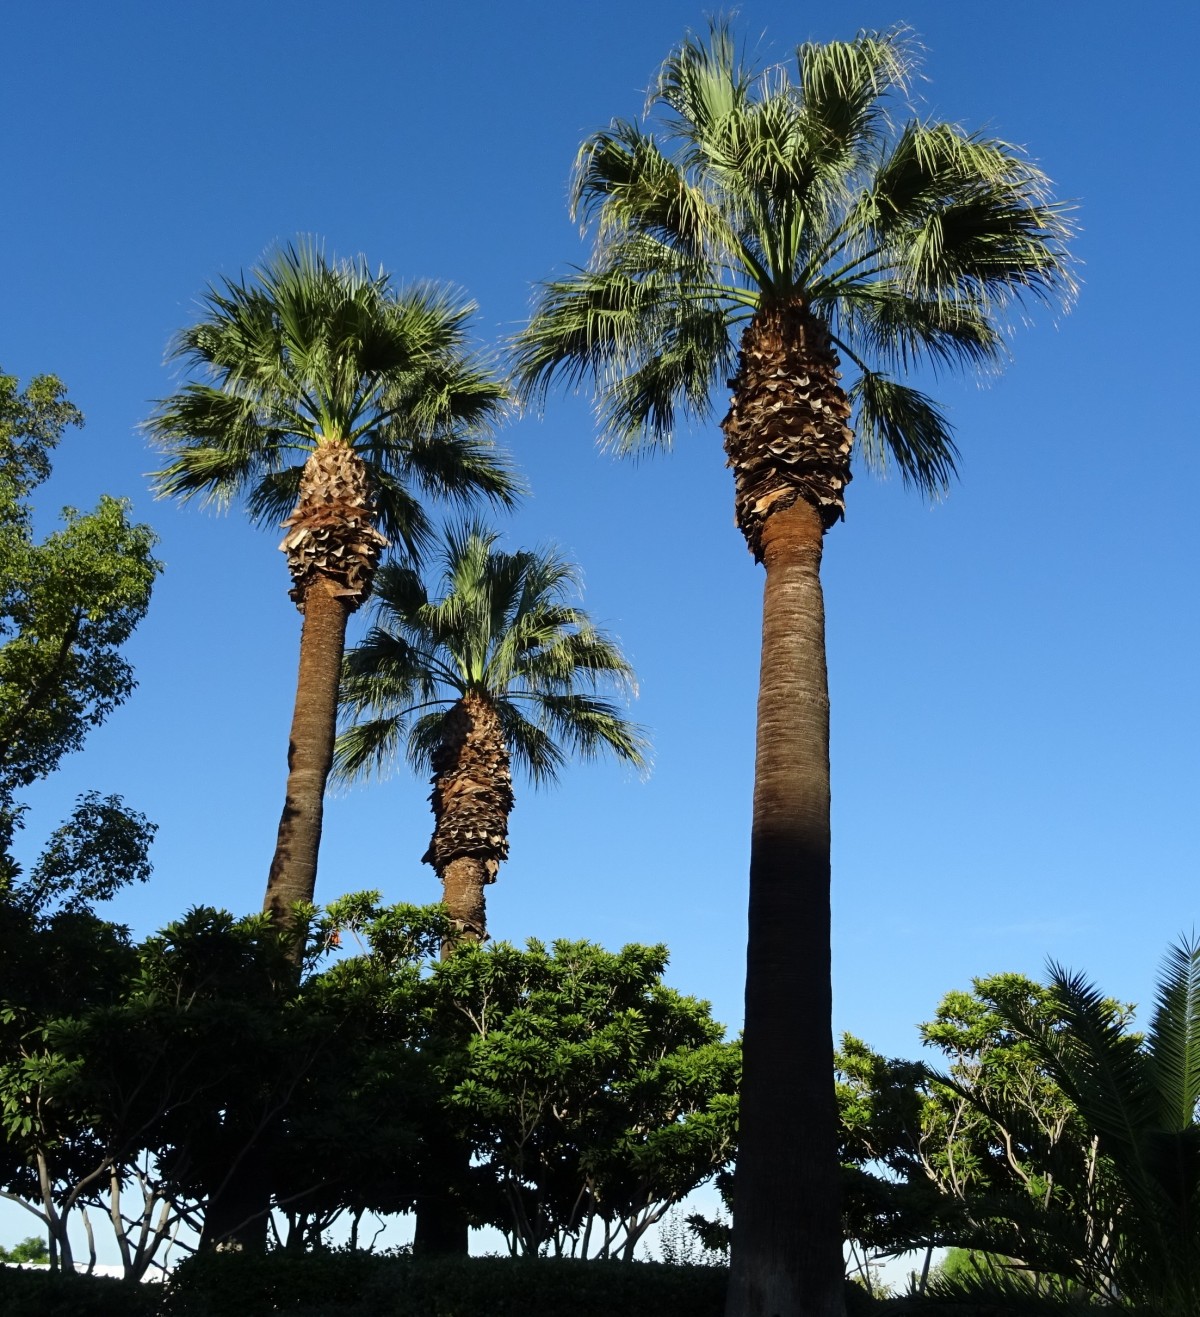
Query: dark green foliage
357	1284
593	1095
50	1294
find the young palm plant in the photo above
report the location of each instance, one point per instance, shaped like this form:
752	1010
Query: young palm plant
501	667
328	399
773	228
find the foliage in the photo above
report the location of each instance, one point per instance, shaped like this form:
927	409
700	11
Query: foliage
307	351
361	1284
39	1293
32	1249
503	627
745	190
594	1096
1133	1232
67	605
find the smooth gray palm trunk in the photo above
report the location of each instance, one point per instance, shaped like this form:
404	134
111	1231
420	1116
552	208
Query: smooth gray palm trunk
787	1243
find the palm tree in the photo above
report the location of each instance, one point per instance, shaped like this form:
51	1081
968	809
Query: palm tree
328	394
799	215
500	667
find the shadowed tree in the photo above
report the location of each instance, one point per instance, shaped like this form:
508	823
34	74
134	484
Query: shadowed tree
500	667
325	398
769	228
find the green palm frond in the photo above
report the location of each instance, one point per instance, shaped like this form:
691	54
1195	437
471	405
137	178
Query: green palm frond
900	424
1174	1037
503	627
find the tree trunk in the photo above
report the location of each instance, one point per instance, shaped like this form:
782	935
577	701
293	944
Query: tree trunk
472	799
293	874
789	447
787	1240
333	549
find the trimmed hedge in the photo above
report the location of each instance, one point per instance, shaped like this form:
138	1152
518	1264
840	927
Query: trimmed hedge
26	1292
364	1285
344	1284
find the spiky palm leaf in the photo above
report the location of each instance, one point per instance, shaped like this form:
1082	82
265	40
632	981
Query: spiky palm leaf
503	628
305	352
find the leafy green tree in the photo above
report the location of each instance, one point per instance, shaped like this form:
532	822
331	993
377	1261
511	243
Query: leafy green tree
595	1098
501	666
767	228
67	605
325	397
31	1249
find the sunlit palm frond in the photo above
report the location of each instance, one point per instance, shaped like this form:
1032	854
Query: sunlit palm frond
1174	1037
302	351
502	627
900	425
738	192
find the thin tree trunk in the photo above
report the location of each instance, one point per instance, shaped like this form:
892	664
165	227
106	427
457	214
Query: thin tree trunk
293	874
787	1248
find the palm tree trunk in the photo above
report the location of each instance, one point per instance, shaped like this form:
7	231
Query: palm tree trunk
333	549
293	873
789	446
472	799
787	1244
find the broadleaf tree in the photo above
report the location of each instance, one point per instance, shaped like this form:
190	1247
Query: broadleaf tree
767	228
68	603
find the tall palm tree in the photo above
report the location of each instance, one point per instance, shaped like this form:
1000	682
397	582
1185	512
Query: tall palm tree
771	228
500	667
326	397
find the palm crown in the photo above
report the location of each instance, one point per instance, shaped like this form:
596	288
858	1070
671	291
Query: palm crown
308	353
907	242
502	630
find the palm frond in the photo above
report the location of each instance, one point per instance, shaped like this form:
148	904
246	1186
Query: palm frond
843	86
504	627
1174	1037
900	424
302	351
367	749
740	191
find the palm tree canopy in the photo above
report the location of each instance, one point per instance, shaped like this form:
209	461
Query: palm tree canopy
502	628
743	191
307	352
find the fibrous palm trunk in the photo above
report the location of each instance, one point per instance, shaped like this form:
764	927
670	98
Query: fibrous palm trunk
472	799
333	549
789	446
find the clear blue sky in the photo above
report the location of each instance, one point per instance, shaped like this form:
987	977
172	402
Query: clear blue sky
1013	671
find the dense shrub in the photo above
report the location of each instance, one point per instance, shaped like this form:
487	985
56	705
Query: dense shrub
358	1285
42	1293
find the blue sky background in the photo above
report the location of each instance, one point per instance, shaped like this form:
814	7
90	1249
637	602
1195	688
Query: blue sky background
1013	671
